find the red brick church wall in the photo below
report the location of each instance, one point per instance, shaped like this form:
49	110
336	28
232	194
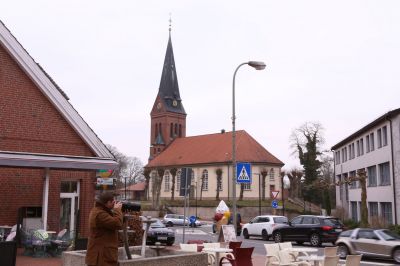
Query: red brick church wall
30	123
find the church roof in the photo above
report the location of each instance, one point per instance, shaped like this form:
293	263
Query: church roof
169	88
213	149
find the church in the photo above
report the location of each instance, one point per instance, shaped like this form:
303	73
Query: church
208	157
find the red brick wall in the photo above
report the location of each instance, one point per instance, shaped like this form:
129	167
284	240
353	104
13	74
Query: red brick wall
30	123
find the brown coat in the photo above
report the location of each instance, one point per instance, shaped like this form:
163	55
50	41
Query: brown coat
102	247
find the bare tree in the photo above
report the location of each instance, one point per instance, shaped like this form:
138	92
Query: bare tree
219	180
264	174
295	175
173	172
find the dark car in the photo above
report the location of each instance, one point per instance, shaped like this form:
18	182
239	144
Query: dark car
158	232
309	228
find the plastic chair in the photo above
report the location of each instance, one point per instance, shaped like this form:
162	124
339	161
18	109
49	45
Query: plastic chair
287	258
353	260
331	261
61	243
243	257
11	236
40	243
272	253
330	251
188	247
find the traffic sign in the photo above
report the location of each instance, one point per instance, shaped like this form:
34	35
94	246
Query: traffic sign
275	204
243	173
275	193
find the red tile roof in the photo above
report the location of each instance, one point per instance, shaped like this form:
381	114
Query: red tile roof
212	149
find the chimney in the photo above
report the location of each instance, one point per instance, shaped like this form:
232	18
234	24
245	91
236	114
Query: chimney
222	131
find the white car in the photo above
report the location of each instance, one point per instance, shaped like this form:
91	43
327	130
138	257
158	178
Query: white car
263	226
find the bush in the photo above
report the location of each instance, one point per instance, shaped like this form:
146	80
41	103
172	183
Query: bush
395	228
351	224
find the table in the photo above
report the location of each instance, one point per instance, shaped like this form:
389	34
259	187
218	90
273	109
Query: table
217	252
303	250
314	258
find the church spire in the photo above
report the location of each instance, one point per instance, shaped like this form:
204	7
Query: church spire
169	88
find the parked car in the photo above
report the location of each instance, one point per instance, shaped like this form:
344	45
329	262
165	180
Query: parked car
263	226
177	219
380	243
309	228
158	232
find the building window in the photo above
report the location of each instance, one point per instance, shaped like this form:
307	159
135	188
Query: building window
178	180
362	146
176	130
167	181
371	172
69	187
384	174
271	175
171	130
358	148
204	180
384	136
246	186
379	138
354	212
352	175
180	130
367	141
372	142
219	185
344	154
373	209
386	212
337	159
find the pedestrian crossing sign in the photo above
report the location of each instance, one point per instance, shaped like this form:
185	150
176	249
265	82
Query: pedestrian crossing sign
243	173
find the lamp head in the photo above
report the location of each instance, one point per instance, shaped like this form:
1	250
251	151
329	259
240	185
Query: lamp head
258	65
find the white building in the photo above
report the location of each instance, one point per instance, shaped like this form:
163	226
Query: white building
375	148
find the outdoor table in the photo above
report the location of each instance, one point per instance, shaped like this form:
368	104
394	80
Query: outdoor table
303	250
217	252
311	258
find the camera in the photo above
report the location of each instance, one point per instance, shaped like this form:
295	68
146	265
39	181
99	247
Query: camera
128	206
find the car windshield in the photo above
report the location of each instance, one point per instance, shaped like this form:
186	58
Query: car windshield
280	220
389	235
157	224
332	222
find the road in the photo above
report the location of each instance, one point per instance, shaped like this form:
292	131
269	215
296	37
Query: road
205	233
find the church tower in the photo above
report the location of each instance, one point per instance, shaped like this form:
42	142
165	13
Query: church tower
168	117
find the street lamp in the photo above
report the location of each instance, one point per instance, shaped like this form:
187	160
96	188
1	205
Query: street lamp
285	185
258	66
302	180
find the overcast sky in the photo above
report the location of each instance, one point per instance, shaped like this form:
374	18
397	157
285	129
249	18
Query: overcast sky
334	62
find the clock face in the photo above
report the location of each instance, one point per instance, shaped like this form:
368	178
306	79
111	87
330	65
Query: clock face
158	106
174	103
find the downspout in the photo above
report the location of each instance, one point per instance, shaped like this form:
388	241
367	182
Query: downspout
393	177
45	204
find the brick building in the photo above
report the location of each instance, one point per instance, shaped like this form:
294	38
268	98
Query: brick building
48	154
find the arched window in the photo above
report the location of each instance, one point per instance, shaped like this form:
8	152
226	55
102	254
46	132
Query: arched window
272	175
167	181
176	129
204	180
180	130
156	131
178	179
159	128
171	130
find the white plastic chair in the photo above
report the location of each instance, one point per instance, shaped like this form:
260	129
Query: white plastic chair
188	247
287	258
330	251
272	253
353	260
331	261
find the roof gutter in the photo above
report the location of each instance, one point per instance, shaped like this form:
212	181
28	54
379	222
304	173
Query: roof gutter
393	174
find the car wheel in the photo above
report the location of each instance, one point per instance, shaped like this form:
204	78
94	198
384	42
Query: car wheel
299	242
396	255
278	237
170	224
343	251
315	241
245	234
264	234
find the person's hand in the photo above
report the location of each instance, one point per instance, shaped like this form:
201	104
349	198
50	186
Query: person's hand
117	205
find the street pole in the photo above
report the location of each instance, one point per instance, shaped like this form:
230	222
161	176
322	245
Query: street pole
283	197
257	66
196	199
259	194
125	187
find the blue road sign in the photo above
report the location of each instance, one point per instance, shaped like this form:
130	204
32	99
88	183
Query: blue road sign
243	173
274	204
192	219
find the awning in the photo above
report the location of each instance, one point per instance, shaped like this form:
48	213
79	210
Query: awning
35	160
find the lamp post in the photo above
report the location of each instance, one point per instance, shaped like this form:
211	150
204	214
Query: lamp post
302	180
258	66
285	185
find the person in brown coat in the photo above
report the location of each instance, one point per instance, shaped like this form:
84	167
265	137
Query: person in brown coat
105	219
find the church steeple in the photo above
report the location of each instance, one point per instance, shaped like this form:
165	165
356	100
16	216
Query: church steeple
168	117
